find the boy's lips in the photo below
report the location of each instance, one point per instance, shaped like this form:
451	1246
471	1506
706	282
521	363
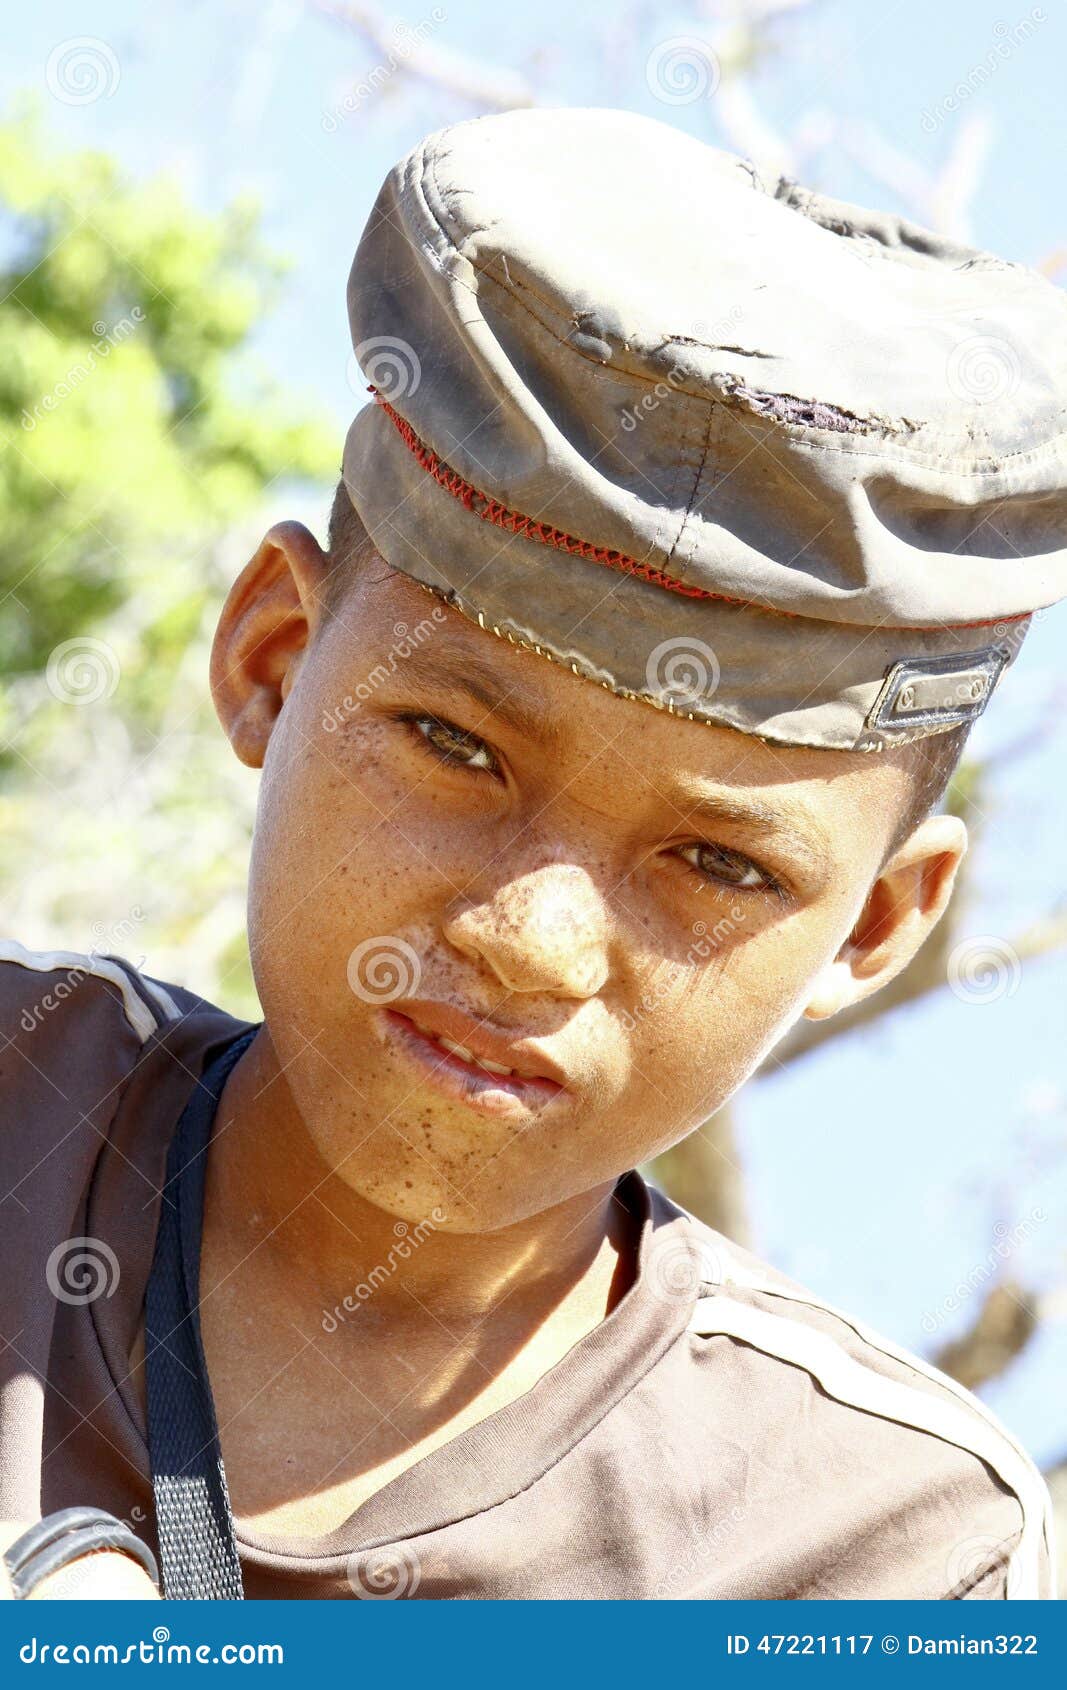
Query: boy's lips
421	1029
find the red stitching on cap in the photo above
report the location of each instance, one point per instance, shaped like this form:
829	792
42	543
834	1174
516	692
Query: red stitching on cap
491	510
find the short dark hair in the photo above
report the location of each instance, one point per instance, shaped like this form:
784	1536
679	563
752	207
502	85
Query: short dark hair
933	761
348	546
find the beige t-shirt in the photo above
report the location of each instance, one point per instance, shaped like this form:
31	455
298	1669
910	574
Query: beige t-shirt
722	1433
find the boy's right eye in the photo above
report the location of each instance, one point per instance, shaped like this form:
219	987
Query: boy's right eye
445	741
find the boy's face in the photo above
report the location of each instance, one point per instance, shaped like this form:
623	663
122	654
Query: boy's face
542	867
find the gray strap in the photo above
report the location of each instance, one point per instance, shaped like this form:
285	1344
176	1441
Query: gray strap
194	1521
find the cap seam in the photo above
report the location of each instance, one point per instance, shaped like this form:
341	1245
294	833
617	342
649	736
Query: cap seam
691	427
846	445
517	522
698	478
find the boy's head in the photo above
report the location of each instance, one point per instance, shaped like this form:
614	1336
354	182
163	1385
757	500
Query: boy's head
605	447
549	876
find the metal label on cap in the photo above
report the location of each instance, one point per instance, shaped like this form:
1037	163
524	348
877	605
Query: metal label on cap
936	691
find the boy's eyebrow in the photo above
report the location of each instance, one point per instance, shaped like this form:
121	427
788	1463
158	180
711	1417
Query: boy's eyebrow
800	830
465	672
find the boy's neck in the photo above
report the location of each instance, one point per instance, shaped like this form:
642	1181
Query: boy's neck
334	1256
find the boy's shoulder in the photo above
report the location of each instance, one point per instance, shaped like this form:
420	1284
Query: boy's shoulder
76	1028
862	1411
34	985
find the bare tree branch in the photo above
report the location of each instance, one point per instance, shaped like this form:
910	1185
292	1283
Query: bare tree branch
703	1173
490	87
1001	1330
943	200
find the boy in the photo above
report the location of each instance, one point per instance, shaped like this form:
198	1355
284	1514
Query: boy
413	1324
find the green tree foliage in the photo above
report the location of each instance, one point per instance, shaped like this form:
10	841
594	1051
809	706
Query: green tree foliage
130	422
136	434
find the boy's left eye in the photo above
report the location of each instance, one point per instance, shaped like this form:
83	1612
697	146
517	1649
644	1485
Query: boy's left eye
440	738
731	868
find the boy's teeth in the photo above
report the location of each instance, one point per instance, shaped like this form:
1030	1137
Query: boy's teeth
465	1054
457	1050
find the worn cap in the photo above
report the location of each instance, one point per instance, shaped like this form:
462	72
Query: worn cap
718	442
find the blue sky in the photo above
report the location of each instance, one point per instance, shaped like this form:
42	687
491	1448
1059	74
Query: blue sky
879	1169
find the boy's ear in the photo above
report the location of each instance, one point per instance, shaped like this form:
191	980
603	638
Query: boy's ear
901	909
270	613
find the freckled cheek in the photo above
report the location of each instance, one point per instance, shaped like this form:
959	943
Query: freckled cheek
342	854
703	1037
370	780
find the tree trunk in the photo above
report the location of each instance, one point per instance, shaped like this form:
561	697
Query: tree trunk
703	1173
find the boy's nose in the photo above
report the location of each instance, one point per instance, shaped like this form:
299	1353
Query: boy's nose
544	931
